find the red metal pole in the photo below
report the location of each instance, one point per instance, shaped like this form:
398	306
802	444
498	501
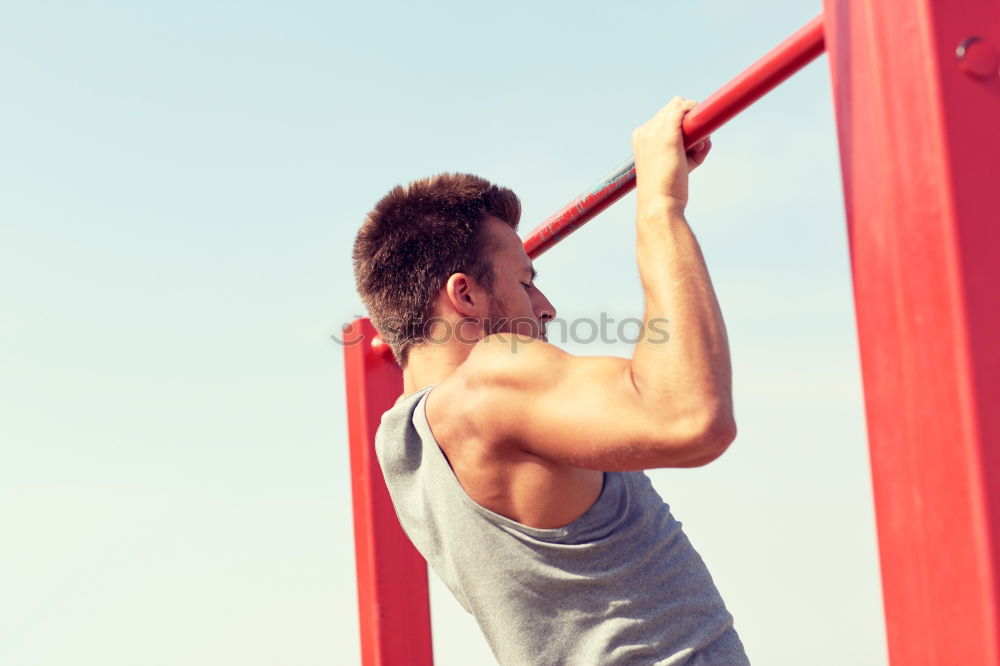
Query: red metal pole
753	83
917	90
393	603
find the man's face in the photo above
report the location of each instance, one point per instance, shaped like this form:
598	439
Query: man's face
519	306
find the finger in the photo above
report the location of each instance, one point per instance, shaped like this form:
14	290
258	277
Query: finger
697	157
700	146
686	107
673	105
704	144
680	105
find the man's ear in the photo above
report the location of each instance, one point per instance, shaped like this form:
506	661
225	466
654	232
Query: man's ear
464	294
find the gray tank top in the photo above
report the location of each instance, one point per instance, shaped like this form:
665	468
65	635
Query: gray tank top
619	585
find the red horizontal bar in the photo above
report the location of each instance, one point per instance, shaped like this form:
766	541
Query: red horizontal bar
753	83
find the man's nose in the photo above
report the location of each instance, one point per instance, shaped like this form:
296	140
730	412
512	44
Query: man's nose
544	308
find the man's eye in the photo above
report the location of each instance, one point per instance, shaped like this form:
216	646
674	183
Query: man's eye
527	285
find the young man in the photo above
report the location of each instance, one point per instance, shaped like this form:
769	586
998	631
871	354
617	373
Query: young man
515	468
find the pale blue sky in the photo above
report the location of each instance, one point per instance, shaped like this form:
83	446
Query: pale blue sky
180	184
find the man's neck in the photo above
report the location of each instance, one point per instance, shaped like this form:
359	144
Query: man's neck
429	363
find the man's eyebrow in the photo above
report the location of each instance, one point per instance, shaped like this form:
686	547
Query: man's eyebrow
534	273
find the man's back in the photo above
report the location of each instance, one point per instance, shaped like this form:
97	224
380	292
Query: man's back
621	584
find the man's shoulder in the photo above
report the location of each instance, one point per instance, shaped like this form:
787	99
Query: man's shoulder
506	360
501	372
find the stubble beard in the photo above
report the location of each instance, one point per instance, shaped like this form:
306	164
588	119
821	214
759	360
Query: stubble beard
498	321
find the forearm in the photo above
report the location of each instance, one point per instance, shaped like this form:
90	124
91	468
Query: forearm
686	372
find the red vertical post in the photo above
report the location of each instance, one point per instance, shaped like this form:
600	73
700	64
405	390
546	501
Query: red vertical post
393	603
917	90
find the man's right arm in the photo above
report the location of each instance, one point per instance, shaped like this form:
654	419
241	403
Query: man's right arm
671	404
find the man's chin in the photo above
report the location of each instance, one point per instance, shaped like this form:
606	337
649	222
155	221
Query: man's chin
523	328
534	334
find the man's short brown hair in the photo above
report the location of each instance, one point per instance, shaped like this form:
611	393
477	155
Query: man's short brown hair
414	239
